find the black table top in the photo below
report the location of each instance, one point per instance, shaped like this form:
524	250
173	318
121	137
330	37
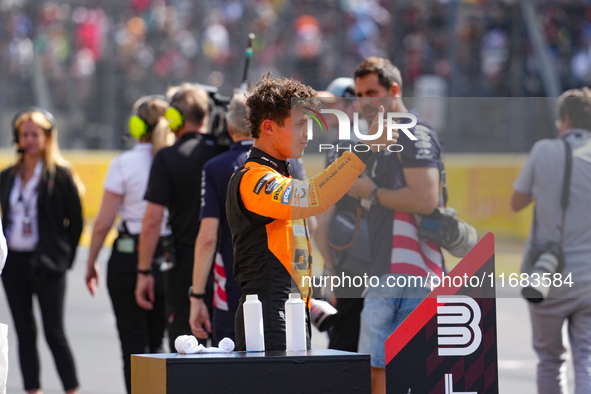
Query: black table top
325	355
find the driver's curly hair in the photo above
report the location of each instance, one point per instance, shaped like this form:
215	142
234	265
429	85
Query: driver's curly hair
271	98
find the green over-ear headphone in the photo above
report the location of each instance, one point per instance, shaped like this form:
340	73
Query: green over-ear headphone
175	118
138	126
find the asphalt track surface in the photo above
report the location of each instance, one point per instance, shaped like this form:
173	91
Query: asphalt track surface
92	334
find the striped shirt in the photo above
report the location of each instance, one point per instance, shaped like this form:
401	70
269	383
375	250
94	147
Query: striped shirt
395	246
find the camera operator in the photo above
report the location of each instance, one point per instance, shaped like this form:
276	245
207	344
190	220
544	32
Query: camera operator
175	183
559	245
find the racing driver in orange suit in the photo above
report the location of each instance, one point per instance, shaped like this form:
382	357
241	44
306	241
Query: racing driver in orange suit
267	209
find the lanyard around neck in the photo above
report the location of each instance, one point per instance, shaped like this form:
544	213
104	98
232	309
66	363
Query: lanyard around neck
27	201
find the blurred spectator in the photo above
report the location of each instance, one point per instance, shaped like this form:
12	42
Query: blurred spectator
71	56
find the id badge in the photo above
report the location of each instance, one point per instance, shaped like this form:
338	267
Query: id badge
27	228
125	245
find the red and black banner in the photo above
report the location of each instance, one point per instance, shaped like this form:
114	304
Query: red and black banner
449	343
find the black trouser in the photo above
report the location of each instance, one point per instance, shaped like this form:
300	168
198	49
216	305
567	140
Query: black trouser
344	333
177	283
140	330
223	325
223	321
22	278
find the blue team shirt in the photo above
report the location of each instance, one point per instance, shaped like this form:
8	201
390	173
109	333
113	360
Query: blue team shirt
386	171
216	175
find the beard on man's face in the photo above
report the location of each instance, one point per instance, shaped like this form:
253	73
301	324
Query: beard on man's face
369	112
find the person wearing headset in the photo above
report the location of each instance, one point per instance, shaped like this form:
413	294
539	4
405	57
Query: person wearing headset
140	330
42	216
175	183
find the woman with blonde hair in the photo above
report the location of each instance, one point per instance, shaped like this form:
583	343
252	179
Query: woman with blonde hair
140	330
42	218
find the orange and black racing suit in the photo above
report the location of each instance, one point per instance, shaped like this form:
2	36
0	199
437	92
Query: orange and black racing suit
267	213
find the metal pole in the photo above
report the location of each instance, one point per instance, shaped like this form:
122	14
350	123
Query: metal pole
548	72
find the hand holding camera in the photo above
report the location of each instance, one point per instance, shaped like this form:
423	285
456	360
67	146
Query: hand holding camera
443	227
543	259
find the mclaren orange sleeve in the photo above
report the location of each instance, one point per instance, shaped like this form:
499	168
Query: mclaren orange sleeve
270	194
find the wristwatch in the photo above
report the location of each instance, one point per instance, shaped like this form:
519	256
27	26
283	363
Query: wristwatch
194	295
373	197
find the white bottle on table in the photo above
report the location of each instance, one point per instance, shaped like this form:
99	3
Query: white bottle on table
295	324
253	324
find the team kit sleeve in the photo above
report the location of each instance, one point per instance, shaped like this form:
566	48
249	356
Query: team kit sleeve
270	194
210	199
425	152
159	186
73	212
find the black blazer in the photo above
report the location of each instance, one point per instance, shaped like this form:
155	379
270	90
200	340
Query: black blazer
59	216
